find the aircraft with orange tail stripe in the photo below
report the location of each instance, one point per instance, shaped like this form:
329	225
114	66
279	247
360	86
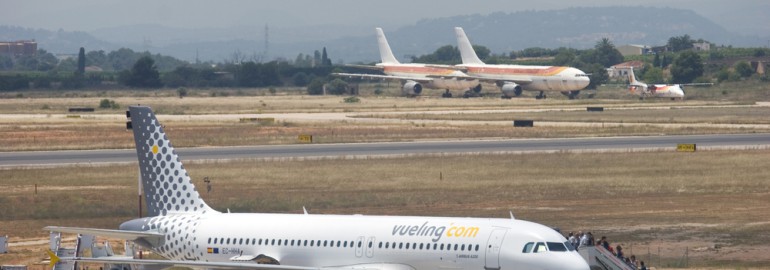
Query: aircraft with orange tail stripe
672	91
415	76
513	79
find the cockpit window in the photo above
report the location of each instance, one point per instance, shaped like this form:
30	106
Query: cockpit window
556	246
540	247
528	247
569	246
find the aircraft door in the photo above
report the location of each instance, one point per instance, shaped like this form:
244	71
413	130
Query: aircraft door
493	249
370	247
359	246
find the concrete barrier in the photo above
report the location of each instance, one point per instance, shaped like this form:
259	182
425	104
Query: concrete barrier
595	109
523	123
81	109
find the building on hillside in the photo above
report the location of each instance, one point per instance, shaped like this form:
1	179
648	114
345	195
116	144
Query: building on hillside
632	49
659	49
701	46
93	69
621	70
18	48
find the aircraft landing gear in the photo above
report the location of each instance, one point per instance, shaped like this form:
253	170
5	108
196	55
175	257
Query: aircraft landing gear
446	94
540	96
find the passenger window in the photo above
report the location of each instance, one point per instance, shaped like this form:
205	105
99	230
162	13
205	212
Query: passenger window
400	245
338	243
221	240
434	246
387	245
209	241
312	242
477	247
540	247
442	246
240	241
215	240
462	247
228	241
325	242
272	242
528	247
359	243
305	243
455	246
420	245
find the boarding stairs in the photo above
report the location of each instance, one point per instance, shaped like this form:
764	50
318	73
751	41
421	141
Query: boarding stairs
599	258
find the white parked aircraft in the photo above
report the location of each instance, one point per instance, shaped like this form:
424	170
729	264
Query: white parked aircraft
415	76
643	90
185	230
513	79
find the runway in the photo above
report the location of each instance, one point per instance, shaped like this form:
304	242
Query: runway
57	158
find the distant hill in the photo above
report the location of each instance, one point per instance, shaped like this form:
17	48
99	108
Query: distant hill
572	27
501	32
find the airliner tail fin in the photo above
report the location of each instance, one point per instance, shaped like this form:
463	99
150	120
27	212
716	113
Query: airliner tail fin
166	185
385	53
631	76
466	49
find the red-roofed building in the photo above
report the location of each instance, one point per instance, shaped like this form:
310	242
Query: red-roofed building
621	70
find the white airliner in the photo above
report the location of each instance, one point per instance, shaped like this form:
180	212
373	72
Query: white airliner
185	230
415	76
513	79
643	90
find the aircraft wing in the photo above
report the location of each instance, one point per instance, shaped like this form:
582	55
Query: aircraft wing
365	67
382	77
222	265
118	234
503	80
697	84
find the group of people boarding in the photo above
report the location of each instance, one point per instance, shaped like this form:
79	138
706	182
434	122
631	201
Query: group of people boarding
580	239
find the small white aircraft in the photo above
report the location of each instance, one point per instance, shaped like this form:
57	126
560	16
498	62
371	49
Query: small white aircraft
513	79
414	76
643	90
185	230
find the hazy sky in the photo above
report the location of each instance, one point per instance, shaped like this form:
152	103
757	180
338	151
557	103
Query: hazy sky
743	16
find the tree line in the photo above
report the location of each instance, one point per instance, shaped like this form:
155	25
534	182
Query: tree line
127	68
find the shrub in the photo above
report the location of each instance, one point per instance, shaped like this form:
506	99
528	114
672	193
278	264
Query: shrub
316	87
352	99
108	104
182	92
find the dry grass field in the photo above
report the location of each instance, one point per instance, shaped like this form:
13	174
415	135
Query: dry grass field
684	115
42	123
714	204
708	209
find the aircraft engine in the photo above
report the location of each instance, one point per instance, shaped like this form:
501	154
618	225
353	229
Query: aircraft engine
412	88
511	89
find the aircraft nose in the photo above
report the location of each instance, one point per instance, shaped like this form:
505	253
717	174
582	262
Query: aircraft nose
582	80
571	261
